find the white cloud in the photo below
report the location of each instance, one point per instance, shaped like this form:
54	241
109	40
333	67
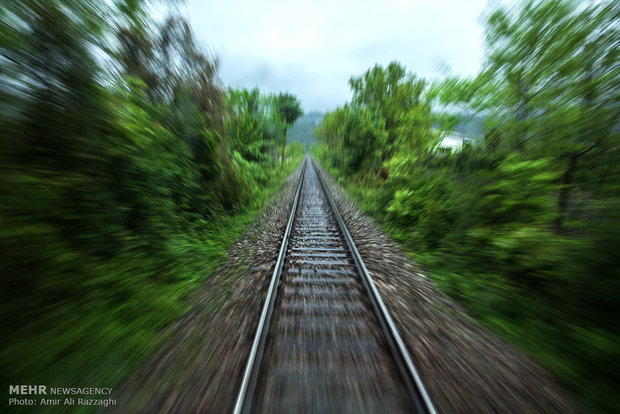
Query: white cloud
311	48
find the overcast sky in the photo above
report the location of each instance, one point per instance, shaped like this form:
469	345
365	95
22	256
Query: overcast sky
311	48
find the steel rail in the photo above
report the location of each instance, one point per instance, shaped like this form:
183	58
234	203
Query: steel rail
248	384
413	381
413	384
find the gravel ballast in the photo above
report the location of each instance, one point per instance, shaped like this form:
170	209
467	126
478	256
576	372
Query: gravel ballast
465	368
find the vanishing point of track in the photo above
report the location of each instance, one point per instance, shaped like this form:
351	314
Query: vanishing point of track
325	342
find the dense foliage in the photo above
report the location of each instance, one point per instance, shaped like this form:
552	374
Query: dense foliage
521	224
126	171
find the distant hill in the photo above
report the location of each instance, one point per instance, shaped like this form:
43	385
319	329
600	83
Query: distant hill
301	130
469	125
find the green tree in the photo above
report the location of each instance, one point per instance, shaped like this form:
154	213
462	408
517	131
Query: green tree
289	109
393	92
543	81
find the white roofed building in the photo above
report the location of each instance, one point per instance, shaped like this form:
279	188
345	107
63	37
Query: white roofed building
453	141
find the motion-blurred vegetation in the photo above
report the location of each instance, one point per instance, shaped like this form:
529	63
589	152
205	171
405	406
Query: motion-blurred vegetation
522	223
126	171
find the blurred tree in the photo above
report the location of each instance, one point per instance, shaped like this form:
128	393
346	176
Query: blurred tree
393	93
556	98
255	129
330	133
289	109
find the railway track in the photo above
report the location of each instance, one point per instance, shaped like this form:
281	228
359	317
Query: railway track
325	342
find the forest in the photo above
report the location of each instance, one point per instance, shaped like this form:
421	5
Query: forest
127	170
521	224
